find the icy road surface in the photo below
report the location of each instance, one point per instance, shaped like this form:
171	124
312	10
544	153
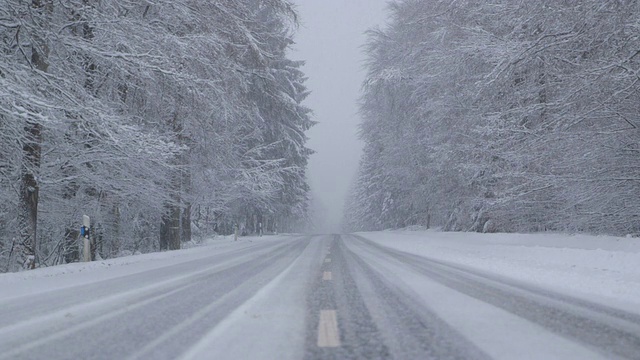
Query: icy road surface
368	296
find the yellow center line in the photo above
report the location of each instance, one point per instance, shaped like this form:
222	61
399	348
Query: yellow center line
328	335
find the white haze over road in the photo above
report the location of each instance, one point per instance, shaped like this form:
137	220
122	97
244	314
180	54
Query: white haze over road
330	40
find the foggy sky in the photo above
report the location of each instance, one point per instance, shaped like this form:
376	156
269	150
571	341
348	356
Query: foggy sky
330	40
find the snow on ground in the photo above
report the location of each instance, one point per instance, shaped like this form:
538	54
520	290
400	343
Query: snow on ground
605	269
261	318
47	278
599	268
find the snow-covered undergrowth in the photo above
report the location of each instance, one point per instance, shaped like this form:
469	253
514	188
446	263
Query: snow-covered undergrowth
600	268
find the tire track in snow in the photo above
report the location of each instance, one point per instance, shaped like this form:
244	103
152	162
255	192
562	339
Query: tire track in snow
359	337
15	310
411	329
607	330
143	313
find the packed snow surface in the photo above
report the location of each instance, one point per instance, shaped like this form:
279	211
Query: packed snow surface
599	268
401	294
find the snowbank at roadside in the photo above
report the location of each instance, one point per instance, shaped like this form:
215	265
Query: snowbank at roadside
600	268
46	278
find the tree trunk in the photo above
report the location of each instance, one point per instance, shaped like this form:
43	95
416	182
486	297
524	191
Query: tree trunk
117	241
29	193
185	219
32	151
163	243
170	225
185	225
170	229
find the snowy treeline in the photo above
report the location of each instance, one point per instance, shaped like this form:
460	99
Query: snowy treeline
149	116
502	116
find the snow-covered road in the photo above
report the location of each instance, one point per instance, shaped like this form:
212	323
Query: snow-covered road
412	295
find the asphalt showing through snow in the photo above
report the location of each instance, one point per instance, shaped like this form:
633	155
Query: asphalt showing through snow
320	297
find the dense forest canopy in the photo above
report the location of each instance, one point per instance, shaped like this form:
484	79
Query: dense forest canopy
155	118
502	116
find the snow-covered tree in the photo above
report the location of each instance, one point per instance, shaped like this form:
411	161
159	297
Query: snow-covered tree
502	116
143	116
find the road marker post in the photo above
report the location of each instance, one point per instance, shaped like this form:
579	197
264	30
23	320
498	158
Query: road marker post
235	232
85	232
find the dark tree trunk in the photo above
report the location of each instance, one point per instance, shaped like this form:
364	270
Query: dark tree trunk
170	232
115	246
170	229
170	223
164	234
90	67
32	152
29	193
185	220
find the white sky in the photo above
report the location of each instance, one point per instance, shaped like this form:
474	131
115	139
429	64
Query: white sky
330	40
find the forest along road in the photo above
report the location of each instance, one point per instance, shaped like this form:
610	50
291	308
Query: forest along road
312	297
